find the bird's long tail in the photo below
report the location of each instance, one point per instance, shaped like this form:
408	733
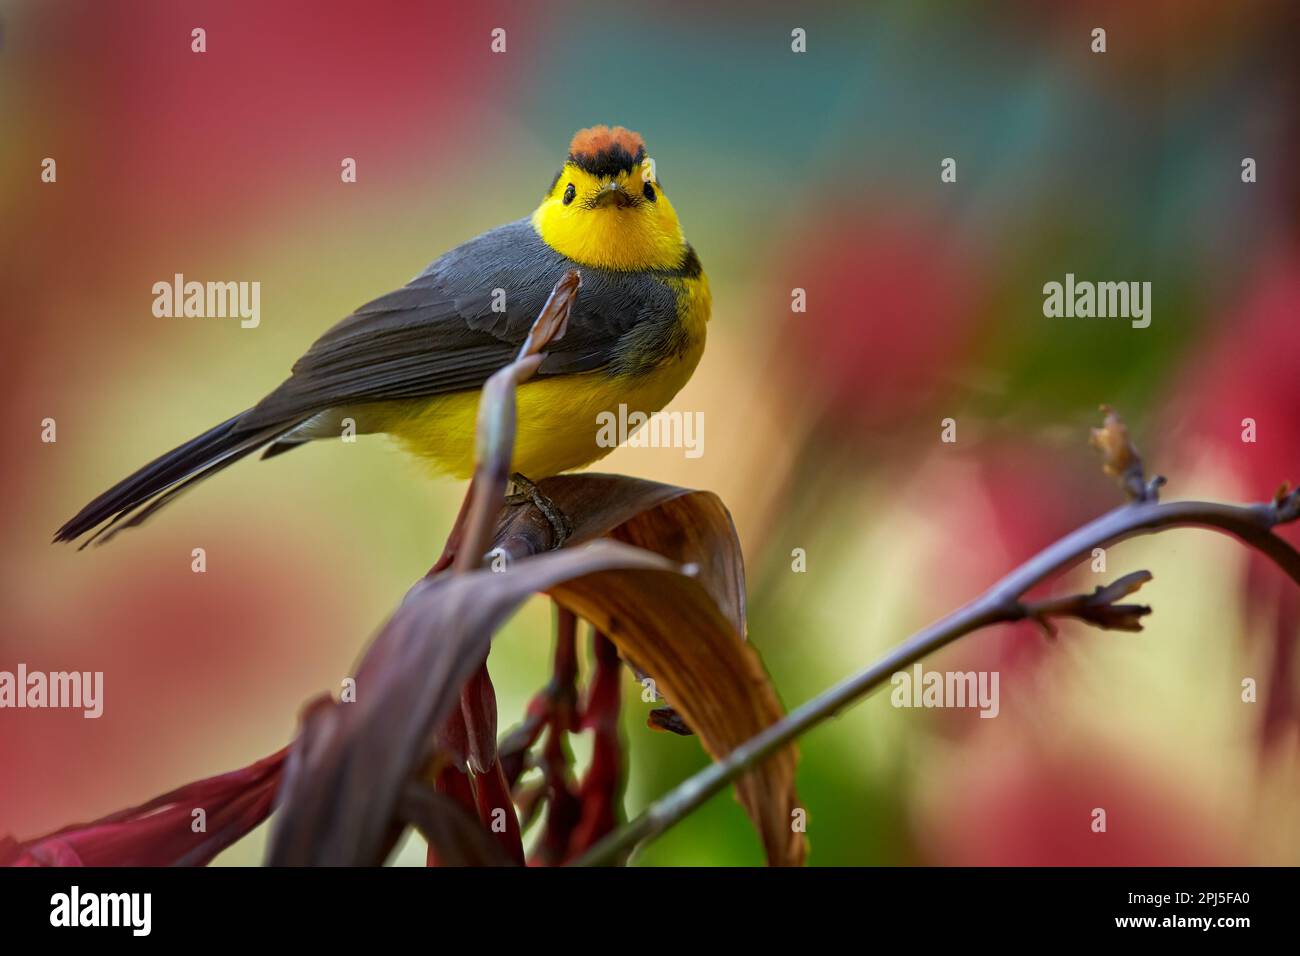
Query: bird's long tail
135	498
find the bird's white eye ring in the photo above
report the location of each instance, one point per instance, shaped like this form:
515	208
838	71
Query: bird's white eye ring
648	171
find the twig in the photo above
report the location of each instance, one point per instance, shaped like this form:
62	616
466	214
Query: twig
1098	608
1252	523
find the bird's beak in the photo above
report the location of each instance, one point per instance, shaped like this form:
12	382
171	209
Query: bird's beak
612	194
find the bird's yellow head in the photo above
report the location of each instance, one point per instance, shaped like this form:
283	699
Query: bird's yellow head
606	208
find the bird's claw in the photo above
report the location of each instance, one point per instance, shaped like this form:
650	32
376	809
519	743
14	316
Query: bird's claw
526	492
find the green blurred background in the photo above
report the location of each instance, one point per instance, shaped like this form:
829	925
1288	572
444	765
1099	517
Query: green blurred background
817	171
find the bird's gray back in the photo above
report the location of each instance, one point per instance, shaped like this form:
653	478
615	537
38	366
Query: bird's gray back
466	315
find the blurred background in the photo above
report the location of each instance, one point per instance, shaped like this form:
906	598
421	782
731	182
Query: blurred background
817	171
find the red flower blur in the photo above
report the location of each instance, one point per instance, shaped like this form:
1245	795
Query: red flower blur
889	312
1249	371
164	831
1029	803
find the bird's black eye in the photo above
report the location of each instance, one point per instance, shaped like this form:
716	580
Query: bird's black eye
648	191
569	193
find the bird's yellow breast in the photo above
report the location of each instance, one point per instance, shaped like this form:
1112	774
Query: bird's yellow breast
557	416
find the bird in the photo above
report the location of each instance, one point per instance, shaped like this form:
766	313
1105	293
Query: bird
410	363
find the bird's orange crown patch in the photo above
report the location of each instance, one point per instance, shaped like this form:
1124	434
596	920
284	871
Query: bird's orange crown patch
602	151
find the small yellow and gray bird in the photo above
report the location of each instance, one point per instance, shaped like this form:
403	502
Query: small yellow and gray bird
411	363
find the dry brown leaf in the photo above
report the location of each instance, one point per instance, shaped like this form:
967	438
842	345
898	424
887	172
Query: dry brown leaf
352	761
686	631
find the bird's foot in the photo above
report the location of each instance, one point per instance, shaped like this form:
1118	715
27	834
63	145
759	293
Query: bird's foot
524	491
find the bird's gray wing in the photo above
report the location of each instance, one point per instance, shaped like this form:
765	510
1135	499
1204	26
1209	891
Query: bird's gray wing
439	333
459	321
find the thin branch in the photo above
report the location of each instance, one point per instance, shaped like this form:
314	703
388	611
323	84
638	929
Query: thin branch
1001	603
